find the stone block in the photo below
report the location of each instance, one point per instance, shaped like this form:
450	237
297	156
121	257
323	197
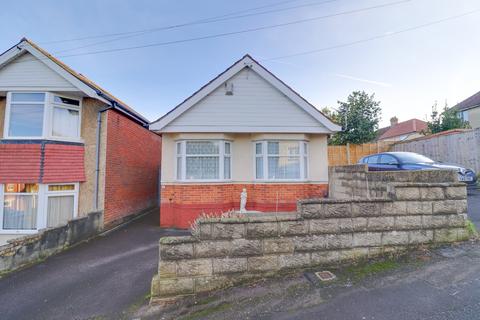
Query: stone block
324	257
310	243
359	224
463	234
314	210
337	210
292	228
436	221
207	249
228	230
338	241
352	254
456	193
367	239
263	263
244	247
419	207
445	235
363	209
262	230
194	267
205	231
408	222
278	245
167	269
176	251
450	206
206	284
393	208
457	220
407	193
431	193
380	223
320	226
395	238
420	236
297	260
229	265
172	287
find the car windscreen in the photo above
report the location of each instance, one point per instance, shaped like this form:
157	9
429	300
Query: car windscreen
413	158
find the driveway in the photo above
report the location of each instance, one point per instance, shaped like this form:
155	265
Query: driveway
474	206
104	278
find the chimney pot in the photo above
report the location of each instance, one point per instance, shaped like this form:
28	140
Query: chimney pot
393	121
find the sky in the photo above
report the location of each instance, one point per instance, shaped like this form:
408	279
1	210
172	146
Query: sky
406	71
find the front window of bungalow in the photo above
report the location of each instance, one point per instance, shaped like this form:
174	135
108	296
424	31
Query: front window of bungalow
203	160
281	160
42	115
27	207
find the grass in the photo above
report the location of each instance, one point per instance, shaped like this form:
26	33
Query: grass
208	311
472	230
362	271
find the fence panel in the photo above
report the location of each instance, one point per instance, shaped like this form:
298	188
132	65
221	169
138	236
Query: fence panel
351	153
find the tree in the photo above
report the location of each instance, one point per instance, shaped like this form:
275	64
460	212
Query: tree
359	118
448	119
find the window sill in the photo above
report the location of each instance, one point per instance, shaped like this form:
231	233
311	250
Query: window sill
18	232
37	139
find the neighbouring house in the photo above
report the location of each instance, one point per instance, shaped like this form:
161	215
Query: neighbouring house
68	147
469	110
402	131
244	129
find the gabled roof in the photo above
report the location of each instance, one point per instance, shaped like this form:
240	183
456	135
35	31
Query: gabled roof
405	127
81	82
470	102
245	62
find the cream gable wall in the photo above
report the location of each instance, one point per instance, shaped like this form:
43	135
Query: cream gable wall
29	73
242	154
255	106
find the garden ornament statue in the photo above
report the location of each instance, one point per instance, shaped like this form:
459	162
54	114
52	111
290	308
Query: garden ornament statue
243	201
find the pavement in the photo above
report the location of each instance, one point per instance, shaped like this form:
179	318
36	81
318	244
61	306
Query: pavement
104	278
474	206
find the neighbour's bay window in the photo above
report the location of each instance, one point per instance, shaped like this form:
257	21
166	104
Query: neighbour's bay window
281	160
28	207
203	160
42	115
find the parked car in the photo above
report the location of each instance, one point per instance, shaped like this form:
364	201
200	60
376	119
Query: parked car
392	161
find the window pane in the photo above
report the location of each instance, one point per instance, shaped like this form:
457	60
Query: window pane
65	122
305	148
226	168
259	167
179	148
273	148
63	100
202	147
65	187
227	147
21	188
202	168
258	148
26	120
283	167
60	210
284	148
179	168
20	212
305	165
28	97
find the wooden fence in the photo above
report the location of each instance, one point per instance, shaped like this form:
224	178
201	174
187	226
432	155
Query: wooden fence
351	153
457	146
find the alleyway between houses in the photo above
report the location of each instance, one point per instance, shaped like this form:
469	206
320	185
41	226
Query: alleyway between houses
104	278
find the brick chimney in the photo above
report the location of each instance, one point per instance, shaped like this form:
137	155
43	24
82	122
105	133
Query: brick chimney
393	121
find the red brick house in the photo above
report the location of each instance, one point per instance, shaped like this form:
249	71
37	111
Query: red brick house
402	131
244	129
68	147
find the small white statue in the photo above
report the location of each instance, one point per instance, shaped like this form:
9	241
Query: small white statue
243	201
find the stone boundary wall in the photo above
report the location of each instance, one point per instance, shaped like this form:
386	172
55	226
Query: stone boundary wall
226	251
356	182
28	249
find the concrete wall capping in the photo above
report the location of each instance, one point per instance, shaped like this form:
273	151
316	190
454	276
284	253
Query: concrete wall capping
358	222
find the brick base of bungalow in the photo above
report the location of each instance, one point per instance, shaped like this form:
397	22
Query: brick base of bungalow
181	204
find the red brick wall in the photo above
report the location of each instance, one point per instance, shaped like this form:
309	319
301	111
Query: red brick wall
64	163
20	163
182	204
132	168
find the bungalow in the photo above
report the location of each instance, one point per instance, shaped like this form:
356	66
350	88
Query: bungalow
402	131
469	110
68	147
245	129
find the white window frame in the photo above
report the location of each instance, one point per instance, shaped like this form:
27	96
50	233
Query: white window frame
303	154
48	105
43	195
221	154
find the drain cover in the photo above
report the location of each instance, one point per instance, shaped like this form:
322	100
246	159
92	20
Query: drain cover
325	275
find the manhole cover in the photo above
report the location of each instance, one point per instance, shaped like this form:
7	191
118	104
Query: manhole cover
325	275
